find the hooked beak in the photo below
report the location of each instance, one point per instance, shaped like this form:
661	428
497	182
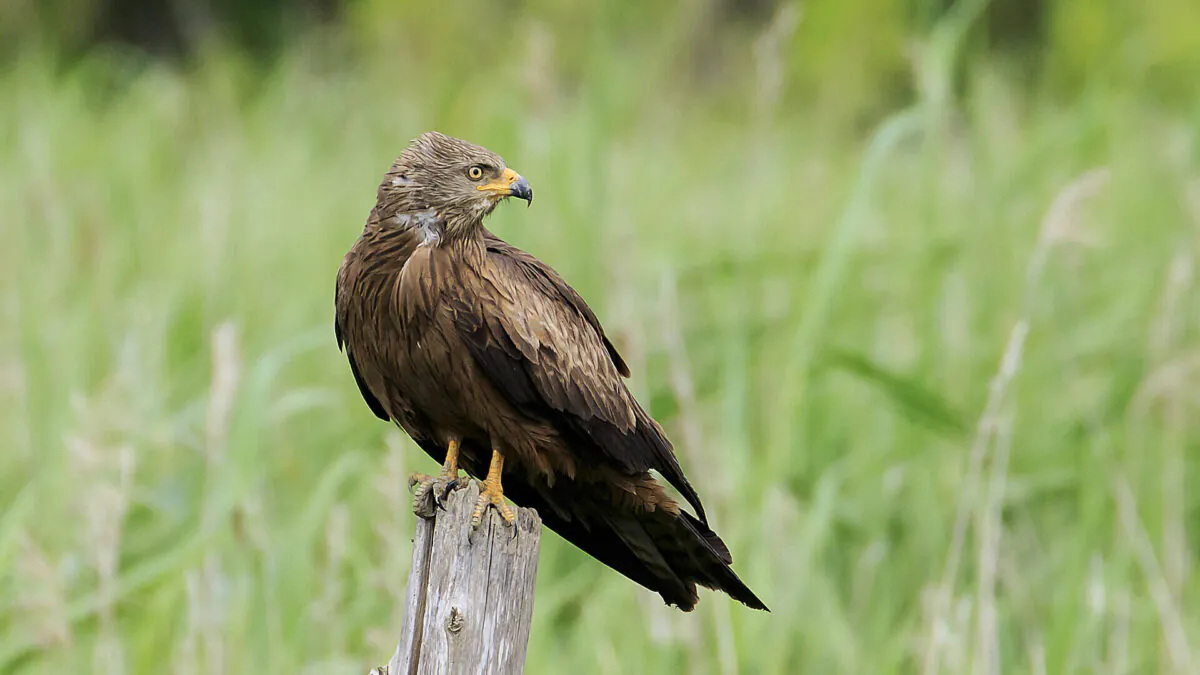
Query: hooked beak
509	184
521	190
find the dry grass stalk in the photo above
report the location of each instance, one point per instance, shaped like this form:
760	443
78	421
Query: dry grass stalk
1174	634
1062	223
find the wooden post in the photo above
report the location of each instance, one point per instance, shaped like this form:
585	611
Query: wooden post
470	592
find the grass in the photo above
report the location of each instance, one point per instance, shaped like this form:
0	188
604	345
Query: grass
936	385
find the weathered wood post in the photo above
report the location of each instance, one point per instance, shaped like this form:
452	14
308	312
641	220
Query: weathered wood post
470	592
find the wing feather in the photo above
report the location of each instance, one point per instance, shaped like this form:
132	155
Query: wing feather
364	279
545	350
341	309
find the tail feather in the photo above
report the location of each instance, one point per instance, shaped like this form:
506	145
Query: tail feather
711	563
669	553
709	537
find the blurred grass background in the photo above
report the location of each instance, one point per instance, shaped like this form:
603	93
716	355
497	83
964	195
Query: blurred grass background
910	283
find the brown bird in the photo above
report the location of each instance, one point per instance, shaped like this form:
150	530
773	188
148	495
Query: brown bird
493	364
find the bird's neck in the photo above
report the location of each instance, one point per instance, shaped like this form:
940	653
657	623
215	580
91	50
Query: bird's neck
464	241
432	227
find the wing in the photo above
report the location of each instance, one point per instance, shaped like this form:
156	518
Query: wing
362	287
543	348
552	286
372	401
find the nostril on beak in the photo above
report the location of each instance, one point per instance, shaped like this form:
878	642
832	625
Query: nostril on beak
521	190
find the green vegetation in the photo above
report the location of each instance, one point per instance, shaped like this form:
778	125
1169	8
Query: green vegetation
190	482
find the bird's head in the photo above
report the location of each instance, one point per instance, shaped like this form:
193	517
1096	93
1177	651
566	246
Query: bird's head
458	181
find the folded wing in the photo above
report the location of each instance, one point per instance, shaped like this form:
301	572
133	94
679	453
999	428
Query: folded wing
542	347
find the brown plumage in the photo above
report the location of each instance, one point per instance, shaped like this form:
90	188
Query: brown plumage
472	345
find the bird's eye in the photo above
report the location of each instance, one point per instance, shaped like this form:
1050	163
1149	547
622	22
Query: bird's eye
475	172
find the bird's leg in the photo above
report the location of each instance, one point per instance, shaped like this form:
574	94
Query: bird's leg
492	494
431	491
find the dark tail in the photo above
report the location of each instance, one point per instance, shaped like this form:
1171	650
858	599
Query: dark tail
666	552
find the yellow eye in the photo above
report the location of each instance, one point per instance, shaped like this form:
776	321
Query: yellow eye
475	173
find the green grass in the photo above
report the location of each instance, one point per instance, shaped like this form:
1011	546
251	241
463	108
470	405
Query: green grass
190	481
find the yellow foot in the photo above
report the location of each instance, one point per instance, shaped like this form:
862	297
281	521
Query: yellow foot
430	492
490	494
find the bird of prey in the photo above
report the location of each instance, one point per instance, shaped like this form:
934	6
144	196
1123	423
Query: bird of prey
495	365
